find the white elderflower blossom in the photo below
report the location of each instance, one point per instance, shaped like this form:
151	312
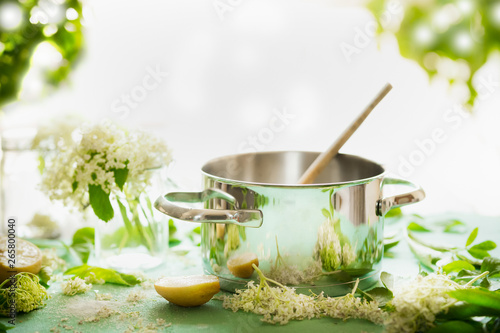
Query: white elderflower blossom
102	150
281	304
75	286
51	260
417	303
136	296
92	279
332	248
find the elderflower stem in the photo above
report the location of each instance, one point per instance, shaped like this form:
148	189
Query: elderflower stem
264	278
355	287
476	278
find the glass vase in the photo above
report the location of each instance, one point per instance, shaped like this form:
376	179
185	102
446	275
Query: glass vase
21	169
136	238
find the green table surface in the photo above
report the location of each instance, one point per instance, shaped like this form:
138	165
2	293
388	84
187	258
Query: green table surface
211	317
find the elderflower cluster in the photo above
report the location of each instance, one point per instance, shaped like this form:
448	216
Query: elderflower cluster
332	252
92	279
286	273
29	294
282	304
417	303
75	286
136	296
103	149
51	260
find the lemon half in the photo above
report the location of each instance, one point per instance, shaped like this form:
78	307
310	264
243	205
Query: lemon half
188	290
24	257
241	266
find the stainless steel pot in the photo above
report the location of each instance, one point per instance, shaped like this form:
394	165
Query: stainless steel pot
319	237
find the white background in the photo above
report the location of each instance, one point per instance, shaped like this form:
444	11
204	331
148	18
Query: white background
230	72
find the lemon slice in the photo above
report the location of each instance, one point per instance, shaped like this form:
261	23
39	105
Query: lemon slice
188	290
241	266
25	257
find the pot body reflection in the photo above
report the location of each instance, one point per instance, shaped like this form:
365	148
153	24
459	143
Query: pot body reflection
319	237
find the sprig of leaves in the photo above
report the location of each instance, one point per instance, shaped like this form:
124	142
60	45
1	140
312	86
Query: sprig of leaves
108	275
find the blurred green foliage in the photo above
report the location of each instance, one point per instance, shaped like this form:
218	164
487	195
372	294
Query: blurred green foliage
57	22
449	32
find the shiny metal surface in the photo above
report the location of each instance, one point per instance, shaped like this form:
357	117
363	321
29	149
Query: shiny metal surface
319	237
251	218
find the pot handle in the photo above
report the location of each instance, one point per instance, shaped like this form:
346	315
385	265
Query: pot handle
251	218
386	204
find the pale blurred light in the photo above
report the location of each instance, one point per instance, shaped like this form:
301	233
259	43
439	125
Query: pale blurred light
424	34
47	11
265	17
71	14
463	69
32	86
11	16
465	6
463	41
49	30
446	67
70	27
460	92
47	56
431	60
495	13
246	57
445	17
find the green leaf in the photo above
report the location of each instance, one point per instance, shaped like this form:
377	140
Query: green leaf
450	226
413	226
74	186
491	265
44	278
196	230
171	227
457	266
478	296
120	177
4	327
326	213
478	253
109	275
387	280
486	246
455	327
389	244
466	310
395	212
125	218
173	242
99	200
84	235
472	237
381	295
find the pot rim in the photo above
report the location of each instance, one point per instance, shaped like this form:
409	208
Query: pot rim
315	185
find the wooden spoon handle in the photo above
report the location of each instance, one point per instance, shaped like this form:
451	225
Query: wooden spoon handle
324	158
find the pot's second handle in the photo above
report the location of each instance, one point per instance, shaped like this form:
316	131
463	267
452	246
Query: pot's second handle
244	217
386	204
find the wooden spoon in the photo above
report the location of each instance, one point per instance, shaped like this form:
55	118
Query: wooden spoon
324	158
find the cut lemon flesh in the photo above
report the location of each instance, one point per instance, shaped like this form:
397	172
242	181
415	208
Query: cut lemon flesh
241	266
24	257
188	290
